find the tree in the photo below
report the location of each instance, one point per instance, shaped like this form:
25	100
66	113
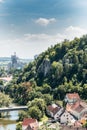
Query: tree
20	92
19	126
1	82
40	103
37	108
85	125
57	69
22	115
46	88
35	112
5	100
48	98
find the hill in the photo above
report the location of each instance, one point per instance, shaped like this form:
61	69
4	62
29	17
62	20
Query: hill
59	70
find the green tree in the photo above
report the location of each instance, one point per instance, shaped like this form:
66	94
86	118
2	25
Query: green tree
40	103
35	112
57	69
22	115
5	100
19	126
1	82
46	88
48	98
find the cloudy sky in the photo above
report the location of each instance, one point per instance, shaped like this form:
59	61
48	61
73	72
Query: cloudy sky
29	27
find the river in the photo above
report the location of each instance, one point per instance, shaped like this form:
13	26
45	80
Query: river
9	123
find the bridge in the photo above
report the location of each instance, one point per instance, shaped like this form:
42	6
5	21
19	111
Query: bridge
14	108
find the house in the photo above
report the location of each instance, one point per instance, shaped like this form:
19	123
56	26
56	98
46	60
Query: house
71	97
55	111
58	113
76	126
30	124
77	109
66	118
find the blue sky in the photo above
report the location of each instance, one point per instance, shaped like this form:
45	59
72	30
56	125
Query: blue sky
29	27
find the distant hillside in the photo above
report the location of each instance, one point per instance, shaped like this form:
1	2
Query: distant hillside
5	60
57	71
26	60
9	59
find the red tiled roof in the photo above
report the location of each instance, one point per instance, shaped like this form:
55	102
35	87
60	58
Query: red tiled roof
52	109
73	96
34	126
56	110
77	106
28	121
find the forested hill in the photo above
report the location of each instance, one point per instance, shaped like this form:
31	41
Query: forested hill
60	69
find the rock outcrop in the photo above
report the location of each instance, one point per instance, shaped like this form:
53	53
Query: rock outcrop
45	67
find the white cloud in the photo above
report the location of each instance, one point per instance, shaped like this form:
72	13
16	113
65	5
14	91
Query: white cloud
40	42
69	33
44	38
44	21
81	3
29	45
74	31
32	44
1	1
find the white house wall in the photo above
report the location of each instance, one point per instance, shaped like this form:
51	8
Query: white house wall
66	118
56	116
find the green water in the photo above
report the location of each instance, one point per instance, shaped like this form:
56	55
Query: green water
9	123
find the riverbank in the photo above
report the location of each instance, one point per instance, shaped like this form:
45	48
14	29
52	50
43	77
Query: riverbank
6	121
9	123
